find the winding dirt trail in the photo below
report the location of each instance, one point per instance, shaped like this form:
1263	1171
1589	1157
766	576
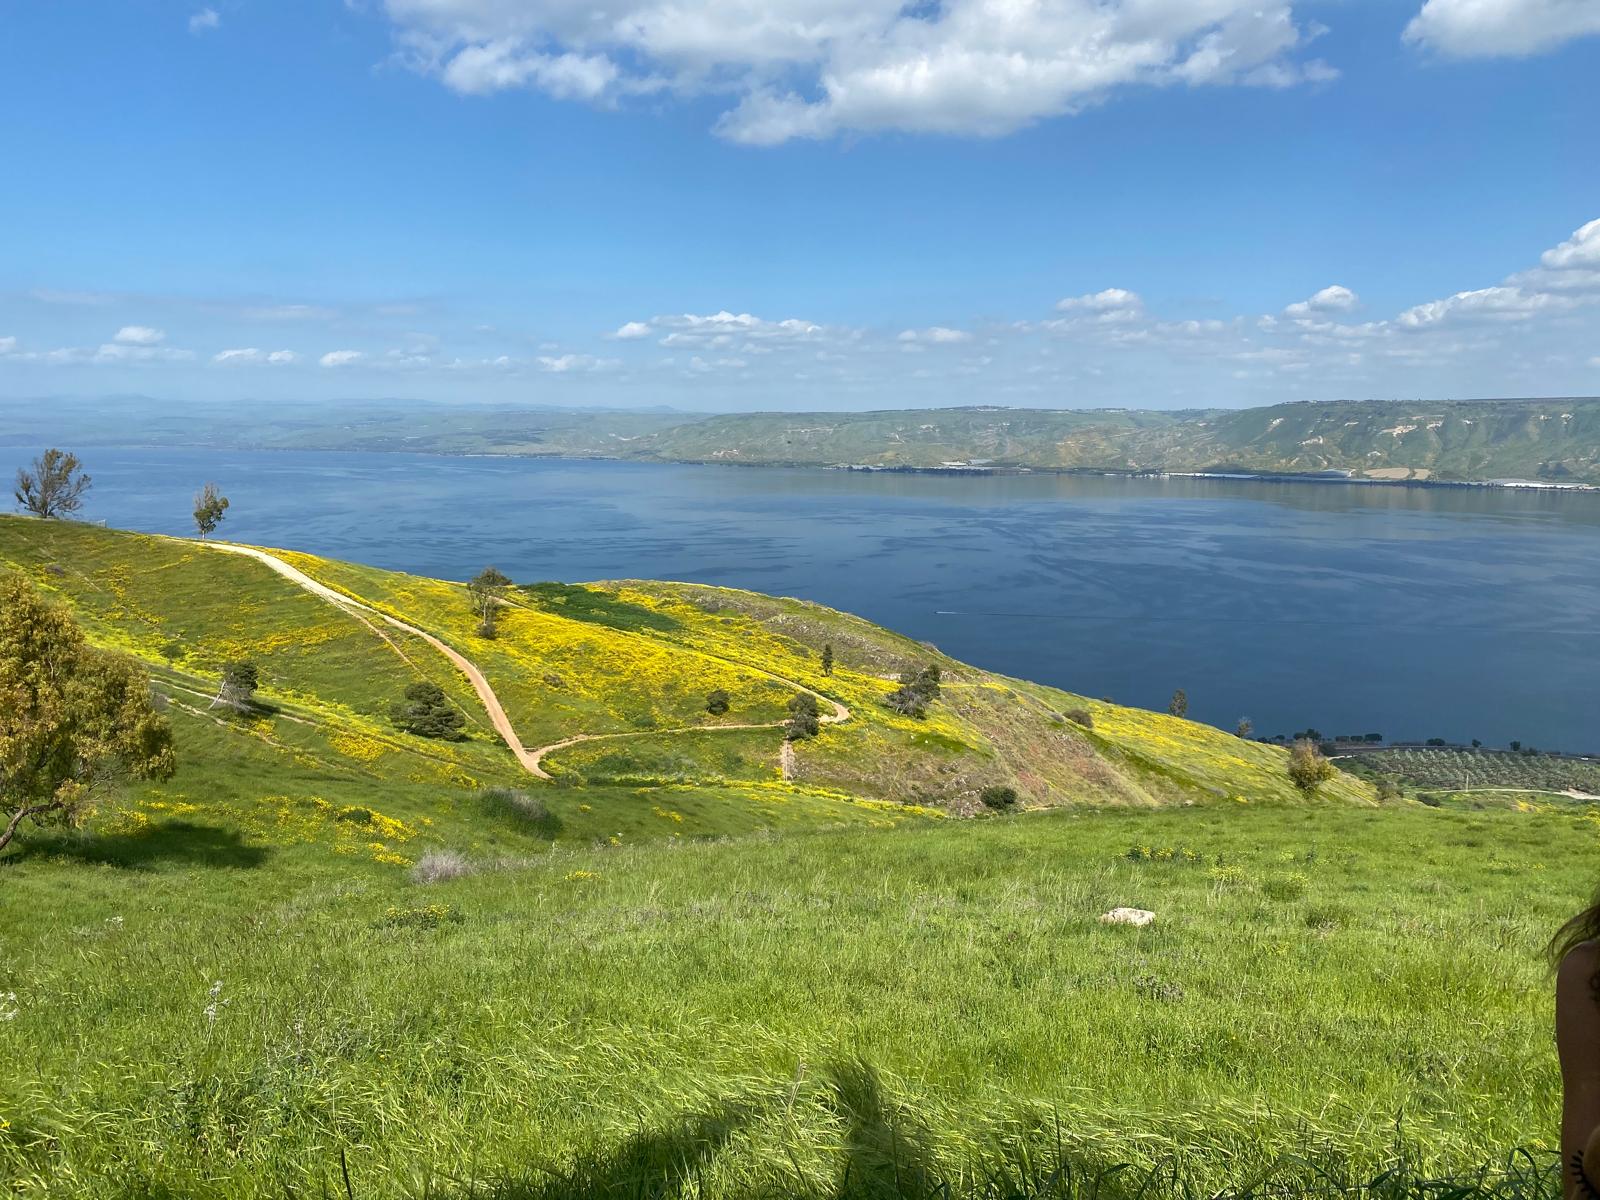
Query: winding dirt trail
480	685
530	759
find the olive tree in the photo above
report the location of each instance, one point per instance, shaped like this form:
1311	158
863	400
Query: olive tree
55	485
73	719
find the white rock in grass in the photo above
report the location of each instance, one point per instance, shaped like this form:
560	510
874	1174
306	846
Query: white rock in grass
1127	916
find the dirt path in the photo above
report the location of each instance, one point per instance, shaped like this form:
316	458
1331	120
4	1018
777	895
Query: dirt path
480	685
840	713
530	759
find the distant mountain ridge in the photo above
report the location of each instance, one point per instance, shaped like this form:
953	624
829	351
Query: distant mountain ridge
1552	441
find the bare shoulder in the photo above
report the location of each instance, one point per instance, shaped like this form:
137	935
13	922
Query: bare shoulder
1576	977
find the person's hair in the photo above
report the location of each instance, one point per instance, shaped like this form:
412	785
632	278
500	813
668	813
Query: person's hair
1585	927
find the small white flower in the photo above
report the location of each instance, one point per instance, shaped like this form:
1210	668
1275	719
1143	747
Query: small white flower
214	993
8	1006
114	922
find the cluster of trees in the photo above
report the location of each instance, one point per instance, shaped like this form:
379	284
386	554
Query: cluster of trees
804	720
54	484
919	687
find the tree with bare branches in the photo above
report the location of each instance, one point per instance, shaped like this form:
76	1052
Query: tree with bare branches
54	487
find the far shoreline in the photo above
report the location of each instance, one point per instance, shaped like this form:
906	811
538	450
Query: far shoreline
956	471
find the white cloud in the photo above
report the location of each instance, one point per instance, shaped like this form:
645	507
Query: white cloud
1110	300
1490	303
254	357
138	352
139	335
1581	250
936	335
203	20
8	345
341	358
1331	299
563	364
476	70
816	68
1501	28
724	329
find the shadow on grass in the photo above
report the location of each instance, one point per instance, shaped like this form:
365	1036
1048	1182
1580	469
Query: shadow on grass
170	842
653	1164
520	810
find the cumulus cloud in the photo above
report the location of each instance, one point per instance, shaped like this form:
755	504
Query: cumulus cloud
341	358
139	335
203	20
1490	303
1501	28
254	357
1332	299
817	68
633	330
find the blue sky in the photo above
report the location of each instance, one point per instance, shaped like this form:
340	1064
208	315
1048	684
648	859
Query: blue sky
727	204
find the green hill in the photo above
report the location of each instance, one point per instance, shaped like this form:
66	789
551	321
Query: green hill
628	668
328	950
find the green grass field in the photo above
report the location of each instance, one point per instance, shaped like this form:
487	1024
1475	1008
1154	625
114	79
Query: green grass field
671	973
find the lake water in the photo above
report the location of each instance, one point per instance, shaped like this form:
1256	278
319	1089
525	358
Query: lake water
1408	611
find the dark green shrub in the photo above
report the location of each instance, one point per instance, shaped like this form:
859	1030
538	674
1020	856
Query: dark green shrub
999	796
718	702
427	712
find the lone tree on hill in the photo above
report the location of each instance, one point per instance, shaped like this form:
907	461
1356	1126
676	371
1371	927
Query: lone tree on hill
1245	727
209	506
1179	707
827	659
427	712
73	719
54	487
718	702
1308	769
239	682
918	688
487	591
803	720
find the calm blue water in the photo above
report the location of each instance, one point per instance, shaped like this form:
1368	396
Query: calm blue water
1411	612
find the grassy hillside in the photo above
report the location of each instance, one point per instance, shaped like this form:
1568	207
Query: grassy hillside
629	664
928	1011
670	972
